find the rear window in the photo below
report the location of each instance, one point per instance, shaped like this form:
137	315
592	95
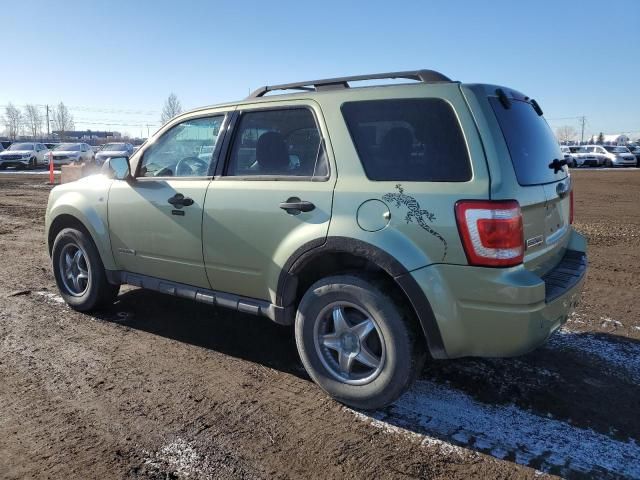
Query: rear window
531	143
408	139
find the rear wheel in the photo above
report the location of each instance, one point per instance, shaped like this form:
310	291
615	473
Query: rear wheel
356	342
608	163
79	272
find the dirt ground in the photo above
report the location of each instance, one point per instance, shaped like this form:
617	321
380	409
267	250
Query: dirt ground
157	387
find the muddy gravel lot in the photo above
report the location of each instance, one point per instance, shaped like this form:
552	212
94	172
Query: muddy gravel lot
157	387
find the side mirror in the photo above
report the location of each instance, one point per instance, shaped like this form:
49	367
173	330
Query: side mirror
117	168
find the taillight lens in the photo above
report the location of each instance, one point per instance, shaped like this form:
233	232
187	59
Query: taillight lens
571	207
491	232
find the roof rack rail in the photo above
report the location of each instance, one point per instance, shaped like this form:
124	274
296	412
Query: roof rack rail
425	76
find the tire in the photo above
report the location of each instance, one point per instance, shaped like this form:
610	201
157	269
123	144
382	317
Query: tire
393	340
94	290
608	163
33	163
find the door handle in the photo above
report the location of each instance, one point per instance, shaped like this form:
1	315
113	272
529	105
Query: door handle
179	201
294	206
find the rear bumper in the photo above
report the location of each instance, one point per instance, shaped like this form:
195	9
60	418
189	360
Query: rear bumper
493	312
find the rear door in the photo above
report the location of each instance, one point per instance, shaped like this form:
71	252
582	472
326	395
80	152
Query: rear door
273	195
541	184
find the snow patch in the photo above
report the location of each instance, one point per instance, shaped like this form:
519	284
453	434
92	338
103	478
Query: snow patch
51	296
618	357
435	414
180	457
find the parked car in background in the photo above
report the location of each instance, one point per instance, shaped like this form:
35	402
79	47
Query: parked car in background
579	153
112	150
593	156
416	248
636	152
24	155
66	153
205	152
571	157
618	156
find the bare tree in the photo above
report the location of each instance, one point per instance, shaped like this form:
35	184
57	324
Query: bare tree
13	120
566	133
172	107
34	120
62	120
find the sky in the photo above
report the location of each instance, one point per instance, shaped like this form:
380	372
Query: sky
113	63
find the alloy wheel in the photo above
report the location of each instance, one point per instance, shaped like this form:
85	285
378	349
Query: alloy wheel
349	343
74	269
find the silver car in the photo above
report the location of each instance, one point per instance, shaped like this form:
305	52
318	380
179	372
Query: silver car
66	153
619	156
113	150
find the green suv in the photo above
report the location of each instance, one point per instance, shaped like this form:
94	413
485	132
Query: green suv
384	222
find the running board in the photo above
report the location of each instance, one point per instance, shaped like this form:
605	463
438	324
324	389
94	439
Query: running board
202	295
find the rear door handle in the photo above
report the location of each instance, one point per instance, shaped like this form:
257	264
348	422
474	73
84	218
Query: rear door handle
179	201
294	206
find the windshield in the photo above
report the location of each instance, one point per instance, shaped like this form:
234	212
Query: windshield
531	143
21	146
68	147
118	147
615	149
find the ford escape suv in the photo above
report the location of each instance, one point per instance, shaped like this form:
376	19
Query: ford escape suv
385	223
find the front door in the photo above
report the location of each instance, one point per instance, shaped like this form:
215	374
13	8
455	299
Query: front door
274	195
155	221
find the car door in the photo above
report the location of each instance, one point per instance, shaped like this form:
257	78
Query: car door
274	194
155	220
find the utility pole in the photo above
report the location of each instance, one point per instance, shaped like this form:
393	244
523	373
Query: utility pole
48	134
583	119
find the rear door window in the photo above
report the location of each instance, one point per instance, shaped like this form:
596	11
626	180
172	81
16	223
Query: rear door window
408	139
285	142
532	145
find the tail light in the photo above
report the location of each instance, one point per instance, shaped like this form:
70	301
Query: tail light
571	207
491	231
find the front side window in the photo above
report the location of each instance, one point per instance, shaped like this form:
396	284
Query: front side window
186	150
408	139
284	142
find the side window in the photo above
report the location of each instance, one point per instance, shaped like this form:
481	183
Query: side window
186	150
283	142
408	139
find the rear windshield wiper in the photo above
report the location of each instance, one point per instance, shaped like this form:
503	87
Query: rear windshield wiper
557	165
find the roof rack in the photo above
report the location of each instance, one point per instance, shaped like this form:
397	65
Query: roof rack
425	76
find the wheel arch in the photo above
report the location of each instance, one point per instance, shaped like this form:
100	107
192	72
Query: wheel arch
98	233
335	255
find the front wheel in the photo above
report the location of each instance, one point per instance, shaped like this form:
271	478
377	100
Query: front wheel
79	272
356	342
